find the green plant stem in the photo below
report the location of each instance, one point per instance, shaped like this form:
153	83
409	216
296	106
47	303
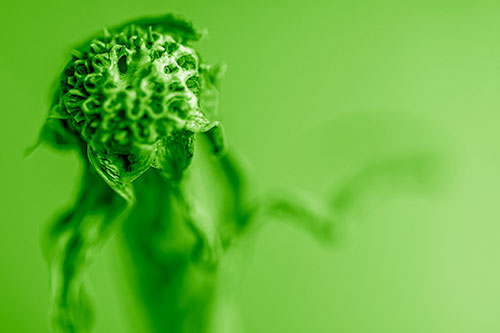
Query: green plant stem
176	291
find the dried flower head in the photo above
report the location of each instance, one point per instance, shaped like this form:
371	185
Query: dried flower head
134	96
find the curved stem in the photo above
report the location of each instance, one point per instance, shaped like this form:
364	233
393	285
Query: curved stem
72	243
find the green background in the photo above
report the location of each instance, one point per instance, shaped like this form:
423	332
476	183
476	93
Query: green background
314	91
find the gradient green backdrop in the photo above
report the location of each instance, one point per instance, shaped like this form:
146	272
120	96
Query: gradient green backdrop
314	90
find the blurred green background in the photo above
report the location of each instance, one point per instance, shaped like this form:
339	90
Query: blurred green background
314	91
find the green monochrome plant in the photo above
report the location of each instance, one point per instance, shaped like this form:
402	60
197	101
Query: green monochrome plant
139	104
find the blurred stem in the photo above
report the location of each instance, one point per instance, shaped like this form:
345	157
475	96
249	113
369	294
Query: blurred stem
71	244
174	282
176	291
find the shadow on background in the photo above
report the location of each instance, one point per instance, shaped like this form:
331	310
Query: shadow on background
301	101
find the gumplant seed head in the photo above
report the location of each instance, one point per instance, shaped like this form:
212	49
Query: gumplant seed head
130	89
135	96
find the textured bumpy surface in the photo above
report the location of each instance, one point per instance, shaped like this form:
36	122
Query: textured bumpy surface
130	88
134	96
